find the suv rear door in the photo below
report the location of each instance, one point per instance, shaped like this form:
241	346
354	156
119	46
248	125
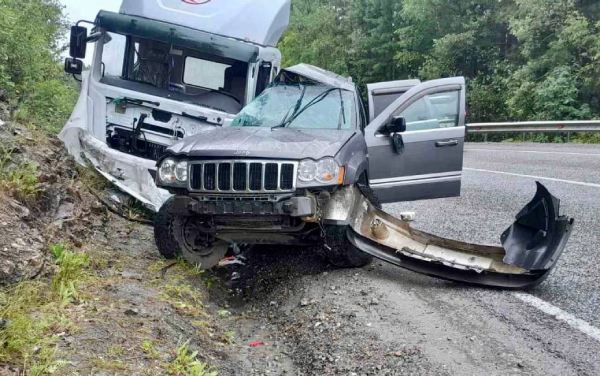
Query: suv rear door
427	160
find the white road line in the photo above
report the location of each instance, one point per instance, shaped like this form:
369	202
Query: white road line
534	177
534	152
559	314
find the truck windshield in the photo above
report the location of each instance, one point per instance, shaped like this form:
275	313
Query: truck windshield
174	72
300	106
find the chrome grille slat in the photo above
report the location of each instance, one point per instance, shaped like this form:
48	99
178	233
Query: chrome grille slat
260	176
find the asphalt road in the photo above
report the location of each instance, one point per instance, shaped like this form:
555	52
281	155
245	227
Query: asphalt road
384	320
498	181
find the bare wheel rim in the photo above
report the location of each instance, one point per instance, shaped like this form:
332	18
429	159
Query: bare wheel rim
197	245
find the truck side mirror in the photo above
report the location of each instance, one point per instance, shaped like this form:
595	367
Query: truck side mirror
73	66
78	42
396	125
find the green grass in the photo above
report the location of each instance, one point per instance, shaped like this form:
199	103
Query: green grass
34	313
149	349
72	270
20	180
186	363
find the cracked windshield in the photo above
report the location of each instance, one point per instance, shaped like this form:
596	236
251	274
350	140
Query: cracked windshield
299	106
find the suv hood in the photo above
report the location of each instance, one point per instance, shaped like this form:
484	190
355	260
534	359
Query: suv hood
281	143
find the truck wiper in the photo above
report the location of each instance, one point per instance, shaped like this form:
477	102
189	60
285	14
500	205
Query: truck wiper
139	102
200	118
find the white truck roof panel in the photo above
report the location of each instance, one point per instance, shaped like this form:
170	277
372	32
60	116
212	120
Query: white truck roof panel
258	21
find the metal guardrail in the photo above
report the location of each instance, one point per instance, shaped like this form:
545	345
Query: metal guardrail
535	127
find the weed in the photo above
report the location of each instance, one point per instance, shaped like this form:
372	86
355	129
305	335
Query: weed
229	337
6	155
32	314
92	179
187	364
223	313
115	351
31	318
149	349
184	298
21	181
109	364
136	211
71	271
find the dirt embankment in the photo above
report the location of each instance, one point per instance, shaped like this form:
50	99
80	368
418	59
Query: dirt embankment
84	290
129	312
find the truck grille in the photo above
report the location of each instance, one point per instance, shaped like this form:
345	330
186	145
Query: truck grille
243	176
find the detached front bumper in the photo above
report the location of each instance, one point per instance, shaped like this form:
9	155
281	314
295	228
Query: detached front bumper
530	247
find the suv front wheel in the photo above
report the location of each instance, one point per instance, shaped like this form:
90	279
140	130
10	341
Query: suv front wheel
340	252
187	237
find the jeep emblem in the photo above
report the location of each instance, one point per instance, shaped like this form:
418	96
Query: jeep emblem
243	153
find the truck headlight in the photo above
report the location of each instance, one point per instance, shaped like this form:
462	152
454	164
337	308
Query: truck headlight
325	171
172	172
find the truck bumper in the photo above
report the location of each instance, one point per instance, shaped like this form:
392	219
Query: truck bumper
133	175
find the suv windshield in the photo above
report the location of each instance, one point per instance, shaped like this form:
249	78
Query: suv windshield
313	106
174	72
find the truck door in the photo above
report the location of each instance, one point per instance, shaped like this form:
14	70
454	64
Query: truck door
416	143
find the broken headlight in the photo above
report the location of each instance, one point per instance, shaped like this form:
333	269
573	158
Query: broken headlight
172	172
325	171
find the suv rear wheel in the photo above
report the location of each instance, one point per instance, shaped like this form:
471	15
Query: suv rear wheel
187	237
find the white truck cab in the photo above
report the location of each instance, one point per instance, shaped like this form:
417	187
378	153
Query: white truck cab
163	70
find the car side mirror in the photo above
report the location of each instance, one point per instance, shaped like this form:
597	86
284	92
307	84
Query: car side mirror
73	66
396	125
78	42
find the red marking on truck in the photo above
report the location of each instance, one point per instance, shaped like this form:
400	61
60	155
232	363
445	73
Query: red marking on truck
196	2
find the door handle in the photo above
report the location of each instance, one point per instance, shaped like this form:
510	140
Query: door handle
441	144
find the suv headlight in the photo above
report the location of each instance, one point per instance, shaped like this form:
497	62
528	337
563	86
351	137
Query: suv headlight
172	172
325	171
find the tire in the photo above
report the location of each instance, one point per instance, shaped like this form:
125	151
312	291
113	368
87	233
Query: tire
177	236
340	252
163	232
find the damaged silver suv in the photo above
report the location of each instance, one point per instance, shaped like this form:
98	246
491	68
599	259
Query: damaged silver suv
302	165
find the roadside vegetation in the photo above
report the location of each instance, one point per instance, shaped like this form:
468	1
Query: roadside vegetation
31	77
523	59
34	316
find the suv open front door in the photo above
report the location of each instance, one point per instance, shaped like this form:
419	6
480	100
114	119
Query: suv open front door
416	152
425	160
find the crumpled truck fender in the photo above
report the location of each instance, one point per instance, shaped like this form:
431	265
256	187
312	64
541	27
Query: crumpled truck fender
531	245
129	173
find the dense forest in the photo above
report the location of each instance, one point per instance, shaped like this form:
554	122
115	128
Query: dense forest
524	59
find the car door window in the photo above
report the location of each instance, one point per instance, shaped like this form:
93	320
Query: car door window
439	110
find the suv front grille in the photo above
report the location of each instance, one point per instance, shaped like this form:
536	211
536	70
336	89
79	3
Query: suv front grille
243	176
